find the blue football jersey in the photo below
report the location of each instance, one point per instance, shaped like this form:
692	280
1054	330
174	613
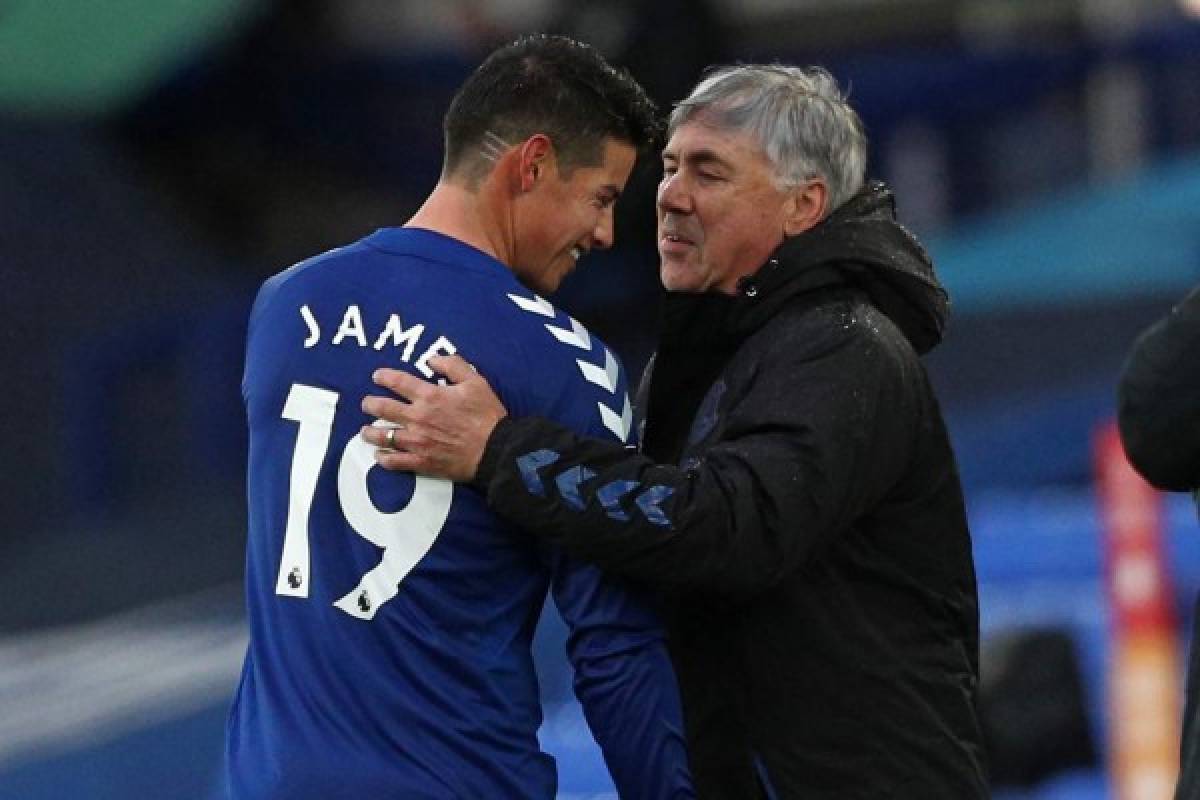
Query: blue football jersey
391	615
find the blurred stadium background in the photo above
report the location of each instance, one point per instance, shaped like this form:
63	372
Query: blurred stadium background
158	158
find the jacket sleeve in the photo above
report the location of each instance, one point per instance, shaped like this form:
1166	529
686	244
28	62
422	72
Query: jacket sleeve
817	437
617	649
1158	399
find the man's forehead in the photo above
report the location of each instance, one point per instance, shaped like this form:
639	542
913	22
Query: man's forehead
618	160
699	139
618	149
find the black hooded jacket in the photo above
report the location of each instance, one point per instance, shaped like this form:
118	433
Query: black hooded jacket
798	506
1158	400
1158	413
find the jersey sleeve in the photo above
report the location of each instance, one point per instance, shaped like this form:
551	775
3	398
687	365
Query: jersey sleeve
623	675
623	680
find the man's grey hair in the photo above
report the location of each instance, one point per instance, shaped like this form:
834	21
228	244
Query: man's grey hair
798	115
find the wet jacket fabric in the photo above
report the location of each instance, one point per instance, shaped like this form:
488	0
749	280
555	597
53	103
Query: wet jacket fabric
798	506
1158	414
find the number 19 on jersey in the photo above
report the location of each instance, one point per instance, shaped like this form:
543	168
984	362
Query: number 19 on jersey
405	535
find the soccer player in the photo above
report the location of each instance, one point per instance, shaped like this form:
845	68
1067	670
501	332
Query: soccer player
391	615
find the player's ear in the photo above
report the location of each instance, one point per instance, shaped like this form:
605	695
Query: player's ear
806	206
535	155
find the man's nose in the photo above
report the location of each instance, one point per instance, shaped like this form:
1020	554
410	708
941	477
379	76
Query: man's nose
605	233
673	194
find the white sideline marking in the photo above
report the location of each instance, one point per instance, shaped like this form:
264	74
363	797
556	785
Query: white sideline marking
75	686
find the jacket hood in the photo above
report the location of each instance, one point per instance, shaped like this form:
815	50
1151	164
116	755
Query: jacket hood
861	244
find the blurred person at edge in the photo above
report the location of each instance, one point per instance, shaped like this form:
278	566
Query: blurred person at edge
1158	414
391	615
796	500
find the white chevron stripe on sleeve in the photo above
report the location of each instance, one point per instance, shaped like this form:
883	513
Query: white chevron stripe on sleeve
619	425
576	337
538	305
604	378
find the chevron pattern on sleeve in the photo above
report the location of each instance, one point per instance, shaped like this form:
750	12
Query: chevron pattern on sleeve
538	469
616	413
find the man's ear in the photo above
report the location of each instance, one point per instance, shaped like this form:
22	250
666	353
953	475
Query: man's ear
535	158
806	206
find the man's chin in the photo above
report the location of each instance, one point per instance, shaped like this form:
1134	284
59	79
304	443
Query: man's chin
679	277
554	283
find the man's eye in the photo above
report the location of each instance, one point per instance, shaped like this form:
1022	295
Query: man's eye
709	176
668	171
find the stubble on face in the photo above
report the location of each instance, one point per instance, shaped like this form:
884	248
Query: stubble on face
680	243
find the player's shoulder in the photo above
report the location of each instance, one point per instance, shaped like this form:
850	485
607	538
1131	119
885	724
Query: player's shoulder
576	377
550	334
316	269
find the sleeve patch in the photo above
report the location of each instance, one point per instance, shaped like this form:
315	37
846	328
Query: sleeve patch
649	502
529	464
568	485
610	496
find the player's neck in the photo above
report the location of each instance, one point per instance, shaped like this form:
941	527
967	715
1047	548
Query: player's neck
461	214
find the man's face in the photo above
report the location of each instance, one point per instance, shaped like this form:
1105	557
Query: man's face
720	215
565	218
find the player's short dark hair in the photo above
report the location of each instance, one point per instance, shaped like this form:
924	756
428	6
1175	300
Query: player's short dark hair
552	85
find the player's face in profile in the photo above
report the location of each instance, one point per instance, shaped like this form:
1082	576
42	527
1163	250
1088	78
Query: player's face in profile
570	216
720	213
